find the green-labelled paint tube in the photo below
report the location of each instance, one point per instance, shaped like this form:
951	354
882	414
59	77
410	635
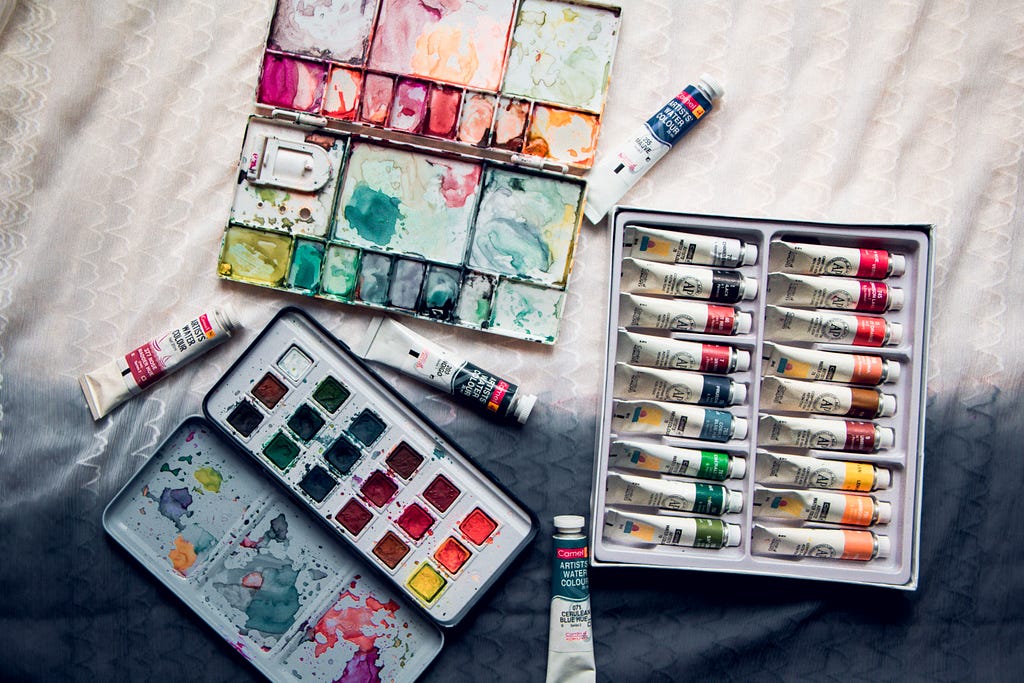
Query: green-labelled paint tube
684	496
682	462
691	532
571	638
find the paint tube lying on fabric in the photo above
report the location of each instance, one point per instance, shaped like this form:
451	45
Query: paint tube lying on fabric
682	462
784	469
689	282
665	352
681	316
676	419
114	383
780	393
637	528
684	496
823	259
829	366
817	291
395	345
820	506
677	386
570	636
670	246
828	544
794	324
823	433
613	177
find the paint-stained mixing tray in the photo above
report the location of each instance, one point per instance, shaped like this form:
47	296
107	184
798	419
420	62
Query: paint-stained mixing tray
266	576
424	160
372	468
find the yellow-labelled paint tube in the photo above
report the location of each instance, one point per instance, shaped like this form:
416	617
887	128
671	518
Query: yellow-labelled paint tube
785	469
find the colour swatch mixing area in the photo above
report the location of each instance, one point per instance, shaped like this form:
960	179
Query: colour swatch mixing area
261	571
526	77
471	243
383	479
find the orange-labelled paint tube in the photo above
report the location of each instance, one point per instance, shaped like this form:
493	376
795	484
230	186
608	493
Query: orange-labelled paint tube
828	544
829	366
820	506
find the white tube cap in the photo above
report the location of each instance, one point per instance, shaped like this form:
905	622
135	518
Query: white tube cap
883	478
735	502
569	524
735	533
888	407
740	427
738	394
886	437
895	334
749	255
749	289
884	513
742	360
738	470
711	87
896	299
522	406
898	265
744	321
892	370
229	316
884	547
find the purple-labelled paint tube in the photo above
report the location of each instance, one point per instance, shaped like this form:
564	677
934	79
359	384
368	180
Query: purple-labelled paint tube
681	316
677	386
665	352
825	259
613	177
664	494
817	291
570	633
794	542
823	433
672	246
689	282
114	383
676	419
636	528
681	462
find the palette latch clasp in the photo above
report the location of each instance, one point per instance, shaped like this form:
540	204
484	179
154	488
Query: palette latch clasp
291	165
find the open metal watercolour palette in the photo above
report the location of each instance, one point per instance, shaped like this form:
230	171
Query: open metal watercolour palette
264	574
424	158
904	459
372	469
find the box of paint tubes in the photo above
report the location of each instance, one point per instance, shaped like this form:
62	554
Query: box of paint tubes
764	395
424	160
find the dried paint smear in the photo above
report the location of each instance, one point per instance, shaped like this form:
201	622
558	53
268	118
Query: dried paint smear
526	311
562	135
335	29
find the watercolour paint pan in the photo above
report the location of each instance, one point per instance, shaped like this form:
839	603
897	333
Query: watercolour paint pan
904	460
369	466
266	576
436	235
510	78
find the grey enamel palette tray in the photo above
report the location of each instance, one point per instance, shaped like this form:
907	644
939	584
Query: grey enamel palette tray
265	575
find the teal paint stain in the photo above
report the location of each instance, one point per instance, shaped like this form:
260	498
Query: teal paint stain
341	268
185	458
373	214
306	264
176	471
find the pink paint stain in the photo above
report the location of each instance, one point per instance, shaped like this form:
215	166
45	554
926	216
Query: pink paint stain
457	188
355	623
253	580
292	83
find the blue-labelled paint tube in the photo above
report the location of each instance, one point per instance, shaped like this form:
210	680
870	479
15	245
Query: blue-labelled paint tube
665	494
571	637
676	419
677	386
620	171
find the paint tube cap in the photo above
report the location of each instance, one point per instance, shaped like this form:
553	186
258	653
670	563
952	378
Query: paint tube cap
892	370
749	289
884	512
897	265
744	321
742	360
887	407
739	428
569	524
738	394
749	255
522	406
595	209
228	317
735	502
886	437
737	468
884	547
896	299
710	86
883	478
895	334
735	533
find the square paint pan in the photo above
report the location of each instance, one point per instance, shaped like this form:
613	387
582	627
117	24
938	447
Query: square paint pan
370	468
904	458
254	565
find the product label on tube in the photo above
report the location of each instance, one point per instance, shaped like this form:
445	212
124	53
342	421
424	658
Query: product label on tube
678	116
870	331
149	362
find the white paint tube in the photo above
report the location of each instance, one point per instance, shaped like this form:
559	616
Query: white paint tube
681	316
784	469
794	324
665	352
683	496
780	393
682	462
690	532
676	419
823	433
671	246
395	345
570	636
823	259
677	386
828	366
688	282
114	383
832	544
814	291
820	506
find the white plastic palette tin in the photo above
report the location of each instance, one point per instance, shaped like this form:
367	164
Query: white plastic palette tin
369	466
898	567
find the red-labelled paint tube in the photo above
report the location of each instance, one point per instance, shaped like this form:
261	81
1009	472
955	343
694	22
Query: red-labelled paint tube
825	544
828	366
681	316
823	433
665	352
824	259
805	325
848	294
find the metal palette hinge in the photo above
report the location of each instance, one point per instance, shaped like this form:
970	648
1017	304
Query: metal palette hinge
539	164
299	117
